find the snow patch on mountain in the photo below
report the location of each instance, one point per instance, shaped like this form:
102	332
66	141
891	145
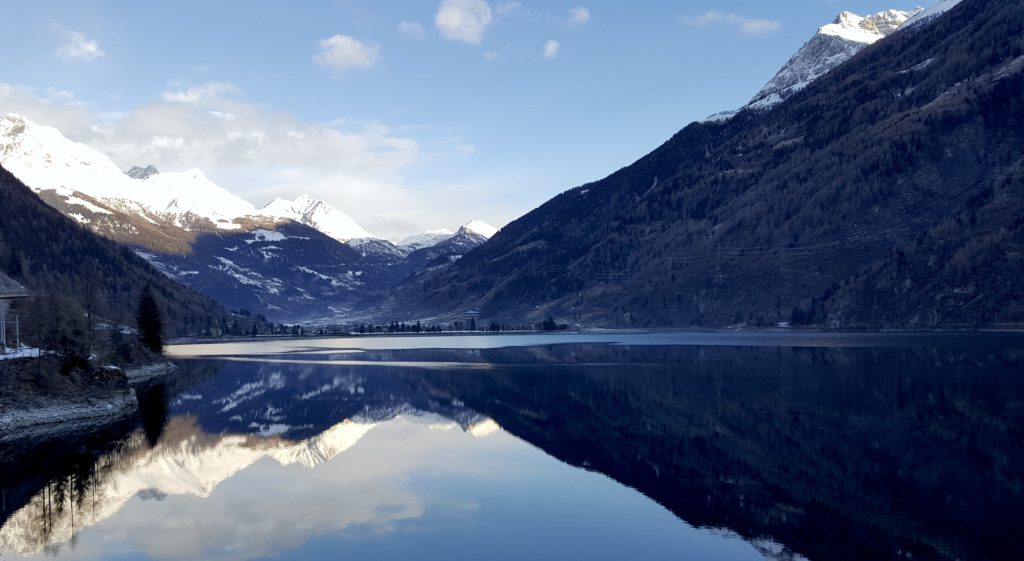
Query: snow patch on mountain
266	236
428	238
72	200
929	14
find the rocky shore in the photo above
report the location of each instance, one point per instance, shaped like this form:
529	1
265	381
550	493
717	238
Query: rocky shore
37	400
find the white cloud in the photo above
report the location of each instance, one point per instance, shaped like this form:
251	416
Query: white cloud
579	16
504	8
111	115
57	95
748	25
250	146
412	30
551	49
342	52
371	171
464	20
203	92
77	47
71	118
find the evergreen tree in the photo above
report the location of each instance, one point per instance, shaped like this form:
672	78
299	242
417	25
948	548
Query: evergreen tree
150	324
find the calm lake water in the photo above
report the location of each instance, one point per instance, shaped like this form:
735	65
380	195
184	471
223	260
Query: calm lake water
582	446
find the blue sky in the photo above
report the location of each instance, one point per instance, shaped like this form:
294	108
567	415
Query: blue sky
407	114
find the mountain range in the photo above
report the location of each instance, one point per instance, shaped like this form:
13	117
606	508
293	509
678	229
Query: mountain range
871	183
51	254
289	260
886	193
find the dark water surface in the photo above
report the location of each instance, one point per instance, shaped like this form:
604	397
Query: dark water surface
597	446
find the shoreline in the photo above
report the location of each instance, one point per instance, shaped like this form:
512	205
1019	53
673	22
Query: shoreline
602	331
60	416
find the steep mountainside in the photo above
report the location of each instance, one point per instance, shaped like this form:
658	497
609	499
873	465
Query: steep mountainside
49	252
933	11
890	192
832	45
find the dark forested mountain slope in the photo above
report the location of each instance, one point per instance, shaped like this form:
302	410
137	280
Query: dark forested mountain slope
290	272
51	253
888	193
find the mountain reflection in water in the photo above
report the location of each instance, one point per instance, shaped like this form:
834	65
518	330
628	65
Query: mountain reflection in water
909	451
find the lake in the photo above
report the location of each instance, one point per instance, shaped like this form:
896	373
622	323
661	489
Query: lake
597	446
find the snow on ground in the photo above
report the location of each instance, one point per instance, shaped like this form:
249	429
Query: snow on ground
248	276
21	352
309	271
266	236
228	226
429	238
84	203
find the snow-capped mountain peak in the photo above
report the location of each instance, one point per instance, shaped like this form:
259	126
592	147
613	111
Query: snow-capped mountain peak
431	238
480	227
42	158
317	214
869	29
191	192
831	46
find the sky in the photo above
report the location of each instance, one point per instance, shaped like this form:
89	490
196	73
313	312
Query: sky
406	114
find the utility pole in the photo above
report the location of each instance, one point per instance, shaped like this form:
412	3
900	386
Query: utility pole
3	330
17	333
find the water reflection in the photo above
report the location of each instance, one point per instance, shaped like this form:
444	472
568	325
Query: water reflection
858	452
